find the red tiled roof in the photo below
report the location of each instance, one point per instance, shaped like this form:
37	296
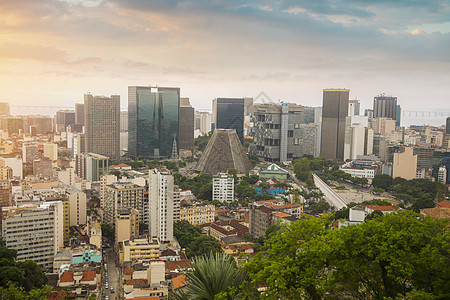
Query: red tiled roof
112	166
88	276
133	281
444	203
437	212
66	277
178	264
282	214
123	165
168	252
179	282
128	271
384	208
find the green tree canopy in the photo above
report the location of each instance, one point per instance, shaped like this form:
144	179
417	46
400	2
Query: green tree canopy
389	256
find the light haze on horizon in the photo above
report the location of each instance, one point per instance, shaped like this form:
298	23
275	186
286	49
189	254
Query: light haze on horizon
52	52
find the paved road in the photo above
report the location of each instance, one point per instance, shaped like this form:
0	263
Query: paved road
113	277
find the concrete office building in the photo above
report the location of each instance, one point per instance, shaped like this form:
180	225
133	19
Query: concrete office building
202	123
123	121
43	167
102	125
30	153
42	124
51	151
63	119
161	202
36	233
4	109
334	111
405	164
79	113
354	107
5	193
228	113
186	125
356	132
125	195
223	188
153	121
13	125
385	107
383	125
283	132
15	163
91	166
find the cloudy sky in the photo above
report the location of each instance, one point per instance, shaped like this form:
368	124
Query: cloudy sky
52	52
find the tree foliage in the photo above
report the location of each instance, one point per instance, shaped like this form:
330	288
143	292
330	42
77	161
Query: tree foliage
189	237
108	232
19	277
390	256
210	276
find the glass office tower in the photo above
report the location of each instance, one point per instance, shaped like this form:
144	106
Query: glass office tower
152	121
230	114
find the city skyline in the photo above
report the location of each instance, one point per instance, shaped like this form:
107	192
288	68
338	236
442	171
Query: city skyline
292	51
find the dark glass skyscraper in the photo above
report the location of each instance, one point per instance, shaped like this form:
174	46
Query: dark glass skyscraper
152	121
230	114
385	106
334	112
447	126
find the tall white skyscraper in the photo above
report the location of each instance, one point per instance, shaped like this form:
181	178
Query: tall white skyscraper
161	200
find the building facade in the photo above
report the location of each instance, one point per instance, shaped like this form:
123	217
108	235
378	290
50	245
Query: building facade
186	125
283	132
124	195
153	121
102	125
334	111
228	113
385	107
161	201
223	188
197	214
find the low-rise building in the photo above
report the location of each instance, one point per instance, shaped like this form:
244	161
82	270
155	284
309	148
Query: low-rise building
363	166
197	212
139	248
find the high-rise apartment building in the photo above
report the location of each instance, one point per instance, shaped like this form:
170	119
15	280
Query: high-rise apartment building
153	121
223	188
385	106
36	233
105	179
283	132
161	202
5	193
228	113
334	112
102	125
186	125
125	195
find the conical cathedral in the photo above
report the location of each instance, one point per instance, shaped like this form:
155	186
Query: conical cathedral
224	151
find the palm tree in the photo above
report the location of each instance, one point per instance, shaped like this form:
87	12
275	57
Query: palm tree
210	275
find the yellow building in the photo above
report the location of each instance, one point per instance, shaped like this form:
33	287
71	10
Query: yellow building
197	213
405	164
127	224
6	173
142	248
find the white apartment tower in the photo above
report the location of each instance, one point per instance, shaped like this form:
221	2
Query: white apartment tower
223	188
161	199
